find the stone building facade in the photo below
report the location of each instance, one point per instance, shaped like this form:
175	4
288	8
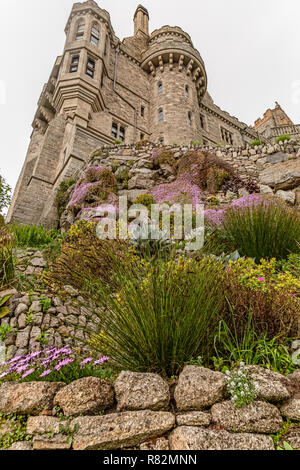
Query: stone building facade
276	122
102	90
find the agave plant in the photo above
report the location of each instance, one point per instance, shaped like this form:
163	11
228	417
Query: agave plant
150	241
4	310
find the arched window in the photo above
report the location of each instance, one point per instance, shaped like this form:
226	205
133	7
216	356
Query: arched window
80	31
95	35
161	115
190	118
160	88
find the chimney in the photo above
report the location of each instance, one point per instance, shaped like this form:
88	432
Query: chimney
141	20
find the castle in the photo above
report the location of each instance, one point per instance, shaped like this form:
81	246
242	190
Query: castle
102	90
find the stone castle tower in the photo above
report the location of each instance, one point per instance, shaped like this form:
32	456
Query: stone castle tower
149	86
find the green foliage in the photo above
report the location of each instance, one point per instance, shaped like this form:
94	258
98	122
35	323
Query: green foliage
146	200
241	387
83	258
17	433
255	143
291	265
282	138
267	230
63	194
150	242
123	176
7	261
118	142
4	310
197	143
286	446
33	236
5	194
97	153
5	330
164	315
251	347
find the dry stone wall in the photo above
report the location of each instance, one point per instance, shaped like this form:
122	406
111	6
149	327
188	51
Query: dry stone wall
40	320
143	411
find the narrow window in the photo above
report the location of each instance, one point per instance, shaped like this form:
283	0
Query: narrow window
161	115
202	121
74	64
114	130
227	136
161	141
90	68
95	36
142	136
105	46
80	32
142	111
187	91
122	134
160	88
102	77
190	118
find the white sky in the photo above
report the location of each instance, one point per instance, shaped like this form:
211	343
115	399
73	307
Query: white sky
251	50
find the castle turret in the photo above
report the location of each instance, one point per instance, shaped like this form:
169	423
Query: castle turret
178	83
141	20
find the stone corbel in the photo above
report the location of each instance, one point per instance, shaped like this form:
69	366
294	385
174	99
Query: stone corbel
161	63
171	61
190	67
180	63
152	68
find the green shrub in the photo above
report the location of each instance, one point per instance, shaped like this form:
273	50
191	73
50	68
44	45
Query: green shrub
33	236
7	262
63	195
118	142
164	315
264	230
146	200
282	138
84	257
255	143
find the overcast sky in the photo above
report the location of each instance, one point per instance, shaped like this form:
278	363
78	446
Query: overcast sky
251	50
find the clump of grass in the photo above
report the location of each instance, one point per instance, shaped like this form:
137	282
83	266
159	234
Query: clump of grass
32	236
282	138
265	230
255	143
7	261
161	321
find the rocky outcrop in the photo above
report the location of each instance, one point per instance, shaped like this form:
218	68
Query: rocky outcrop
283	176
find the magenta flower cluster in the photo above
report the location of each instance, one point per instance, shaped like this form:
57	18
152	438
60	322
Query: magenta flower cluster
216	217
183	190
83	186
44	362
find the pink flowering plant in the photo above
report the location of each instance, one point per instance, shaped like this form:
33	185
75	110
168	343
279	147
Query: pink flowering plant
54	365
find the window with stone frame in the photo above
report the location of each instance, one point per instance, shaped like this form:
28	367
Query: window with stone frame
95	35
80	32
142	136
161	115
202	121
161	141
160	88
143	111
190	118
187	91
226	136
90	67
74	63
114	130
122	133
